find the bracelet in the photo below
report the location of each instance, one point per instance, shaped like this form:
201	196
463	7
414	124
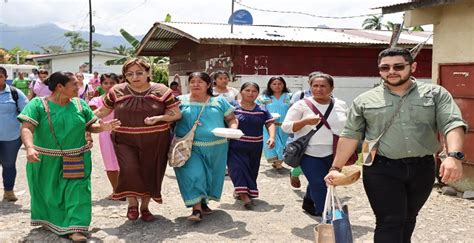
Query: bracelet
335	168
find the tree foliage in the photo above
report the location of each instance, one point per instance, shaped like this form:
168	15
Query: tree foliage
78	43
374	22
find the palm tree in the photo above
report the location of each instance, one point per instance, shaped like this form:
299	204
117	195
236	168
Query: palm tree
373	23
417	28
389	25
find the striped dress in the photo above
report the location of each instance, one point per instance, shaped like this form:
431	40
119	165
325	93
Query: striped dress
244	153
280	106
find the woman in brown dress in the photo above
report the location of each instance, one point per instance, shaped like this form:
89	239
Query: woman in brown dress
141	143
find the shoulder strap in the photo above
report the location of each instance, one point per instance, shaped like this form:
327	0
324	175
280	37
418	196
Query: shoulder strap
202	110
390	122
14	93
302	94
326	114
85	90
51	128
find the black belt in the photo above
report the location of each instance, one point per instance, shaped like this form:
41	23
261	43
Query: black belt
407	160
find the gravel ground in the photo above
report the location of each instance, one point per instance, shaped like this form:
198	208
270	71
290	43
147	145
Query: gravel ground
277	216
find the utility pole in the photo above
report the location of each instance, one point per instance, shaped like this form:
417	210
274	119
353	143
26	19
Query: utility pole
91	30
232	18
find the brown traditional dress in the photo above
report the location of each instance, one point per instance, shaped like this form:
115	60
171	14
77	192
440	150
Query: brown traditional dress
141	149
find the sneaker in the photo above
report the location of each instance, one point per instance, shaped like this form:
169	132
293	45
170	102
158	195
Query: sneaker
9	196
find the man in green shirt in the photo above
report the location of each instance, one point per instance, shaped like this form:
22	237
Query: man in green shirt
399	180
21	83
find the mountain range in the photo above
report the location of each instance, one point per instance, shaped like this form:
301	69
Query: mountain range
33	37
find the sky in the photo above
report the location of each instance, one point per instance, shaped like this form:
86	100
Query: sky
138	16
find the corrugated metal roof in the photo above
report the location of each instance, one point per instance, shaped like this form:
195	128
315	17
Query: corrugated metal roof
163	36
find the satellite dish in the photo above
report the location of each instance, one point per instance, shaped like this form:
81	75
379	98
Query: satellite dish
241	17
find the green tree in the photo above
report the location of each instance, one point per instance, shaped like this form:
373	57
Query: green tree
78	43
417	28
52	49
168	18
374	22
22	53
389	25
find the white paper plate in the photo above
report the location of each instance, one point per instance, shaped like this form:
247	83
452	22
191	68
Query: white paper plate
275	115
227	132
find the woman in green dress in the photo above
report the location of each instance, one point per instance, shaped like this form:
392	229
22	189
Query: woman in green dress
59	157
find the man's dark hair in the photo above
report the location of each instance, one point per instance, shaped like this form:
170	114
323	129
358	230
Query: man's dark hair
396	51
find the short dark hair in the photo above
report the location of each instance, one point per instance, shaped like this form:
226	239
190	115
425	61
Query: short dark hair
325	76
112	76
173	83
247	84
59	78
269	91
396	51
204	76
3	71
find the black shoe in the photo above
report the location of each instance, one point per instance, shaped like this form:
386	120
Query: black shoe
308	207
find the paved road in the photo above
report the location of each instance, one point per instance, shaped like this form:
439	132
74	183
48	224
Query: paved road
277	216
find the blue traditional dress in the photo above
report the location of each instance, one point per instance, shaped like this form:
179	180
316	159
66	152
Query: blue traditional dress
280	106
202	177
244	153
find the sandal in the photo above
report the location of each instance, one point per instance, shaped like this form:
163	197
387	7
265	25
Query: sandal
77	237
295	181
277	164
132	213
196	216
205	209
147	216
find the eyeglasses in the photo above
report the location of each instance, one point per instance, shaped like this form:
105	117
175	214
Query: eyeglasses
397	67
137	73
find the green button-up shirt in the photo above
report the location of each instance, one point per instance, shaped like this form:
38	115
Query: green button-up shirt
427	109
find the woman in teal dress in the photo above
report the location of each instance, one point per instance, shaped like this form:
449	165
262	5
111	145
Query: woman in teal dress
60	198
276	99
202	177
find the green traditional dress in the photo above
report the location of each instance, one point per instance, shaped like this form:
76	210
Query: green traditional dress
61	205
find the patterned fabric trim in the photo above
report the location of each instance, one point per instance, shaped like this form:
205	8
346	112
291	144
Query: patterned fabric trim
251	139
143	130
190	203
28	119
209	144
60	230
175	104
244	189
229	111
105	104
117	196
278	124
161	98
185	101
272	120
249	112
66	152
92	121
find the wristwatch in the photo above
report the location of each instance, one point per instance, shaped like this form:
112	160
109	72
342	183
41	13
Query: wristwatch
457	155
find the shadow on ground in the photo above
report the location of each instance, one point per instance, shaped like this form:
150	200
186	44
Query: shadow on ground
258	206
219	222
307	232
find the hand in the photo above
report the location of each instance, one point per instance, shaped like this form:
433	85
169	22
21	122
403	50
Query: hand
110	125
89	139
32	155
152	120
450	170
333	174
271	143
314	120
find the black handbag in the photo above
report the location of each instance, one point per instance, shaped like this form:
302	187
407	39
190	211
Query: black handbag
294	151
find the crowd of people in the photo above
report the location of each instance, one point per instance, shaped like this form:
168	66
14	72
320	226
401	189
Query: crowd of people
136	120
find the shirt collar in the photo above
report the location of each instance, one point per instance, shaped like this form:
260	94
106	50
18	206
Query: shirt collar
6	90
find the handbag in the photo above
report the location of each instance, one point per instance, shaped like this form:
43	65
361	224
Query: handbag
335	226
373	144
335	138
73	164
180	148
294	151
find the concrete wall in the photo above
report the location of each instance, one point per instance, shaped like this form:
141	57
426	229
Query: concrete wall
72	63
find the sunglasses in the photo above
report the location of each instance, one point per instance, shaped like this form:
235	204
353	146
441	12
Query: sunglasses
137	73
397	67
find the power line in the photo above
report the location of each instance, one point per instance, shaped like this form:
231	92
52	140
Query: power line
302	13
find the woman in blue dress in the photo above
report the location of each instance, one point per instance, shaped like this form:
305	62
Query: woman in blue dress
244	153
202	177
276	99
